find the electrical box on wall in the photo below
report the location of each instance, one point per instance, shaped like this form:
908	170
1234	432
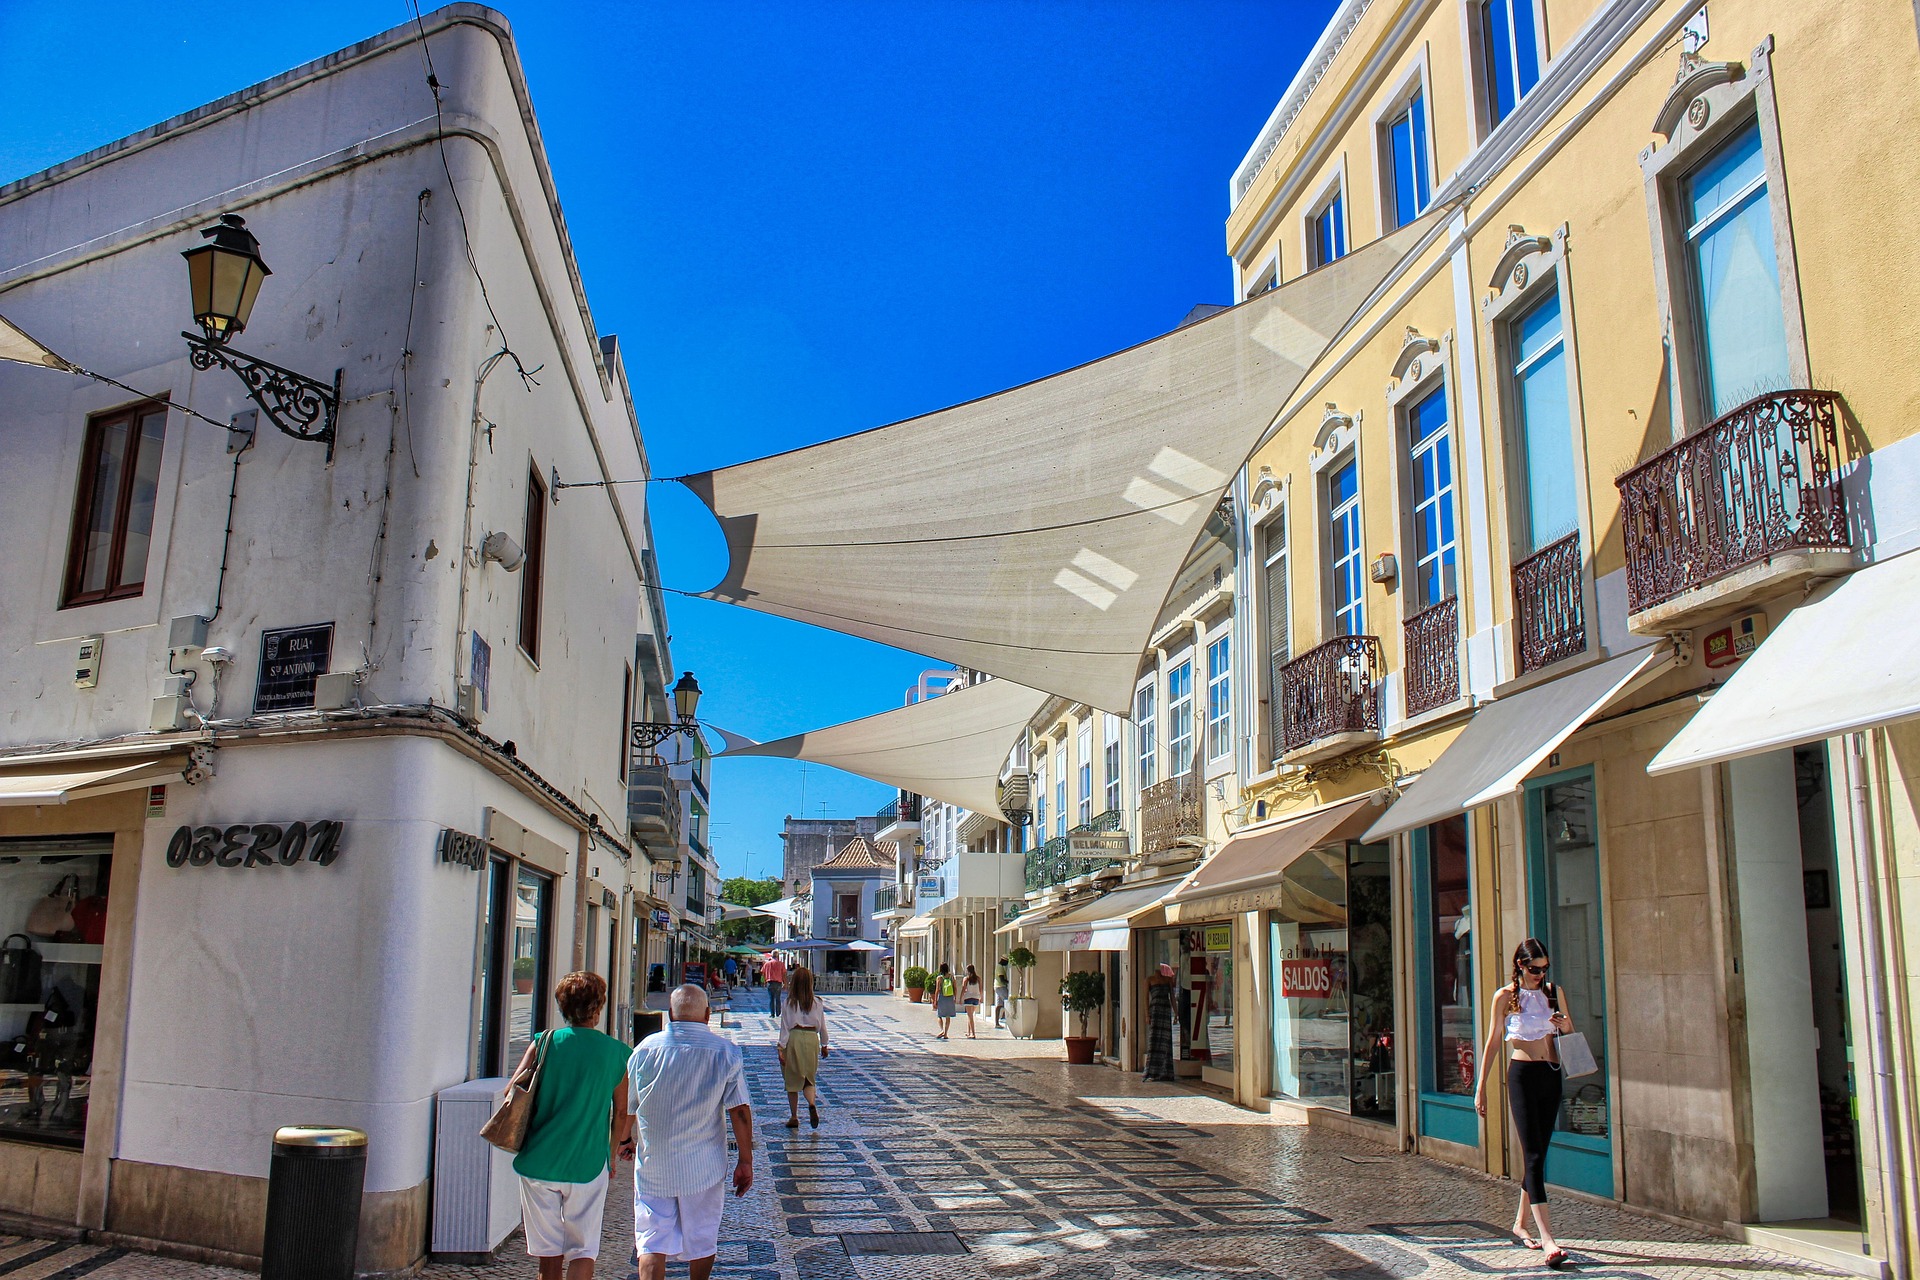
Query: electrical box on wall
187	634
86	662
1385	567
466	703
333	691
169	714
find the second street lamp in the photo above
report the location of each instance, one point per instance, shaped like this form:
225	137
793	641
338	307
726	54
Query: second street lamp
648	734
225	275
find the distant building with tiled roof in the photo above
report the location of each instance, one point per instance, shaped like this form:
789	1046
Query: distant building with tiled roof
861	854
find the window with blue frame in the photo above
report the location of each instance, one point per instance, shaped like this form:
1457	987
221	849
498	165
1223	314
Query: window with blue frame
1409	180
1548	507
1084	745
1509	54
1040	800
1180	719
1741	328
1110	758
1327	232
1345	546
1430	460
1060	795
1219	698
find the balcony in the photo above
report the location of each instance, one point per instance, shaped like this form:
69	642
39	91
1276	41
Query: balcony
1056	862
1171	814
1330	700
653	808
847	929
1549	605
1744	510
1432	672
886	898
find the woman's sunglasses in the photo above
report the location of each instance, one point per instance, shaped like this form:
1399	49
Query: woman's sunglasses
1538	968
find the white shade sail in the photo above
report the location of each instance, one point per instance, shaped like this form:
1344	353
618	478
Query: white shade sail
950	747
1835	665
17	347
1035	533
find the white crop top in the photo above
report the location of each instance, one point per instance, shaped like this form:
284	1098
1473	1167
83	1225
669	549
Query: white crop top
1535	1019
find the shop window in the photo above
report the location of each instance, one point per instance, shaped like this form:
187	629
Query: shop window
1346	550
532	939
1110	753
1180	719
113	509
1083	744
1430	468
1333	989
531	571
1219	700
1734	269
1327	232
1201	957
1509	55
1408	180
1144	740
1443	948
53	915
1548	509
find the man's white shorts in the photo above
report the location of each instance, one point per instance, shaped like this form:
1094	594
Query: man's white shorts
562	1219
684	1228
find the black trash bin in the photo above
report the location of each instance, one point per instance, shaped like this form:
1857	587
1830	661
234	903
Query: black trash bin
646	1022
313	1203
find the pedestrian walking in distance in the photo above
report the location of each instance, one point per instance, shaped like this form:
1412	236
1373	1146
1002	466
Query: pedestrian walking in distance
774	974
1534	1012
803	1042
566	1158
944	992
1001	988
972	994
686	1086
733	971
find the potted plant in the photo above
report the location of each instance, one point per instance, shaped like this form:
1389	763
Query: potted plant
1082	993
523	975
1023	1014
918	979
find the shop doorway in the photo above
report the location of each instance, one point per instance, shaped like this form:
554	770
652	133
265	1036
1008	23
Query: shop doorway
1827	971
1443	957
1201	957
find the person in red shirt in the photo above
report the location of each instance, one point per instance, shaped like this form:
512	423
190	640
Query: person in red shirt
774	974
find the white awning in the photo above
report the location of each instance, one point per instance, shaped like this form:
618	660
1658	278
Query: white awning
914	927
1102	924
950	747
1837	664
17	347
1508	738
1035	533
83	781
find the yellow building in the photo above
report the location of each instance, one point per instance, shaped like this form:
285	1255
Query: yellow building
1639	398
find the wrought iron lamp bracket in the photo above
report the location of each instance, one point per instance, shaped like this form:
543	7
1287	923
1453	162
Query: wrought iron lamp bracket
302	407
649	734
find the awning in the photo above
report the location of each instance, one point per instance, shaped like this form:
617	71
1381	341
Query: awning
914	927
1035	533
1033	917
1247	873
1508	738
83	782
950	747
21	349
779	909
1102	924
1837	664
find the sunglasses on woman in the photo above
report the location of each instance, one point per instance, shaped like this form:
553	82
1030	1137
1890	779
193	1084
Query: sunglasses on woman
1538	968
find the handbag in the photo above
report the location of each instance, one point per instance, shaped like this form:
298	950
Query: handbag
19	971
507	1127
90	919
1576	1055
53	914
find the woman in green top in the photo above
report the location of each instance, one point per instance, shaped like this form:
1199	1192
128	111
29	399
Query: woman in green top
580	1123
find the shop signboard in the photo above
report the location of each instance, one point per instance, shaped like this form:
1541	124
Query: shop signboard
1219	937
291	660
256	844
930	886
462	850
1310	979
660	918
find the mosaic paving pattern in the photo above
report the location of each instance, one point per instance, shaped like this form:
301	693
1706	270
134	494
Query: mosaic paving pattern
1081	1174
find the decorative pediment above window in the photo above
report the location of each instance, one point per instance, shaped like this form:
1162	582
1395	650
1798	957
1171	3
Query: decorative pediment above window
1268	491
1415	358
1338	433
1684	100
1513	267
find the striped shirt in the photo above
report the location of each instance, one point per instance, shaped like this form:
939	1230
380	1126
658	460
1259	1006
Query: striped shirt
683	1082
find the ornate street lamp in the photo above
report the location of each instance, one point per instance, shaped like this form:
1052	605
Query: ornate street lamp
686	700
225	275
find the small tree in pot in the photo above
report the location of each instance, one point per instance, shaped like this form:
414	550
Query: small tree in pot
917	980
1023	1015
523	968
1082	993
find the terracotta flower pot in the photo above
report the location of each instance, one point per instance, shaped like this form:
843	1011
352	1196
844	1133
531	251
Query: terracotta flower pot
523	986
914	993
1080	1050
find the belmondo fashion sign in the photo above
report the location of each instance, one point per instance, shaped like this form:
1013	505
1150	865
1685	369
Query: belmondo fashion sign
1306	979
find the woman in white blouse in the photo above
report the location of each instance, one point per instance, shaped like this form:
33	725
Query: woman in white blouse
803	1042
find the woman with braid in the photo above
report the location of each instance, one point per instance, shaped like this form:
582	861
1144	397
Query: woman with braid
1532	1011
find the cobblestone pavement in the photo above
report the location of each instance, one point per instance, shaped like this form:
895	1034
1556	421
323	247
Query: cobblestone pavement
1044	1171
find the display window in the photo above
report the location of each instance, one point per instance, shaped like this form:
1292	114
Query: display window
532	908
1201	957
1331	948
53	918
1443	955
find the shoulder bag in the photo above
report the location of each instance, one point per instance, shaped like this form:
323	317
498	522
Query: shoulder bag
19	971
507	1127
1576	1055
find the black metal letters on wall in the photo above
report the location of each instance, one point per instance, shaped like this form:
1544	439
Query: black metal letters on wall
461	849
256	844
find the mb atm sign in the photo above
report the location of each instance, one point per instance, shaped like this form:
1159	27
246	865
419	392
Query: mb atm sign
291	659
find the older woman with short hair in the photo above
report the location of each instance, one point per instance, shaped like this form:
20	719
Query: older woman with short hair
567	1157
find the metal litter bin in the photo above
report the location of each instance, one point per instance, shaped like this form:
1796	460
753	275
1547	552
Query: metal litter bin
646	1022
313	1203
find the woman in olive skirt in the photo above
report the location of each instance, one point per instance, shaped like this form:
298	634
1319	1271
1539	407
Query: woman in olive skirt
803	1042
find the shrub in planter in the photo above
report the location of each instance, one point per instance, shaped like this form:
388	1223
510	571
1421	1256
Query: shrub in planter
1023	1011
1082	993
523	970
917	980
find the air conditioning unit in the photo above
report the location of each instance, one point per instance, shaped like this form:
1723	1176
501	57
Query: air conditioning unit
476	1194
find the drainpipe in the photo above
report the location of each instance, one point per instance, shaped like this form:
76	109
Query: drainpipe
583	847
1879	1032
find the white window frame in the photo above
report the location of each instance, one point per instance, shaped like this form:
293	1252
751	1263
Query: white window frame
1083	771
1219	723
1270	508
1333	187
1416	83
1330	517
1474	42
1174	705
1040	795
1112	763
1146	731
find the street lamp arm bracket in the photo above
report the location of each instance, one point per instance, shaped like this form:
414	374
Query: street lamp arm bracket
302	407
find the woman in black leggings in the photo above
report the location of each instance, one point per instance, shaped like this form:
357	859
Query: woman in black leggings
1530	1011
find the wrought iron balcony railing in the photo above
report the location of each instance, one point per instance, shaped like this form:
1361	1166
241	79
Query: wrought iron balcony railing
1055	863
1760	481
1169	810
886	898
1330	690
1549	607
1432	668
905	809
653	805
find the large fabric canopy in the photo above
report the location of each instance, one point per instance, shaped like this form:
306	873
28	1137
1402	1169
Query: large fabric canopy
1035	534
1835	665
950	747
21	349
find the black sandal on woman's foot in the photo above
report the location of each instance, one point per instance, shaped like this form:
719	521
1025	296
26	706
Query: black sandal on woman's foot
813	1115
1557	1259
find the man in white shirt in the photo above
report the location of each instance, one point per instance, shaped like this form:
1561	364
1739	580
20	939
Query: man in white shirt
685	1085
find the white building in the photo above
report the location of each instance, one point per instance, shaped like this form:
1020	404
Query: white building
287	911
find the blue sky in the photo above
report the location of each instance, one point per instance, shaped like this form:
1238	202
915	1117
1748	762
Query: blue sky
803	220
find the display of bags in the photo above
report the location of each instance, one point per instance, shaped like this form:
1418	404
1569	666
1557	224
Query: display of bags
90	918
53	914
507	1127
19	971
